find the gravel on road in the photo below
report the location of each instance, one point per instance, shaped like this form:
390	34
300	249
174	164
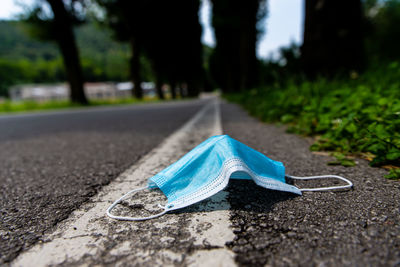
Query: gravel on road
359	227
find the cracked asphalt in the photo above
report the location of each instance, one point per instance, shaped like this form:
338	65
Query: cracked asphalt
53	163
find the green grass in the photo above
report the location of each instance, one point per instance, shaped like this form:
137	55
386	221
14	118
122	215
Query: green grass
359	116
28	106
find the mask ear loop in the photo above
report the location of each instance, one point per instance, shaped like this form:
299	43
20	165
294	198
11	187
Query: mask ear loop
123	218
349	183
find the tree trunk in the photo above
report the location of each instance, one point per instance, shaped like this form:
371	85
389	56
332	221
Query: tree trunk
66	41
248	44
332	37
181	91
173	89
160	93
193	89
234	62
137	90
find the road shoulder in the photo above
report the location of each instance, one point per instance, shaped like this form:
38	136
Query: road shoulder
343	228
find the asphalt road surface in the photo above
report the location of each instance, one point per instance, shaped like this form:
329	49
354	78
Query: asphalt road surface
349	228
53	163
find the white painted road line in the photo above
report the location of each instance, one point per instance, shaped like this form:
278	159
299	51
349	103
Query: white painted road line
195	236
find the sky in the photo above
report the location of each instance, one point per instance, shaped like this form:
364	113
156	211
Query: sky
9	8
283	25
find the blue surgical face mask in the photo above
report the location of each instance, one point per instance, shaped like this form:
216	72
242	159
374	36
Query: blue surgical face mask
206	170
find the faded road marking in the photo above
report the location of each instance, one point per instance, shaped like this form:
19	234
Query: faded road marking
195	236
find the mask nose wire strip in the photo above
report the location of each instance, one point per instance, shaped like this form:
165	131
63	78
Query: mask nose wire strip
349	183
123	218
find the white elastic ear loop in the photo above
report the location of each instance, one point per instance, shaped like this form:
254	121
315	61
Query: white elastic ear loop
349	183
122	218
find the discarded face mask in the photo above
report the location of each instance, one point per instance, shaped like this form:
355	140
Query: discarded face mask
206	170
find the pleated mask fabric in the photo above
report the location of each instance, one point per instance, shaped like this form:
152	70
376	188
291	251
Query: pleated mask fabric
207	169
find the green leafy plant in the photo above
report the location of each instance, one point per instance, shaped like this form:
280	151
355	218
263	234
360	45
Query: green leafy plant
394	174
8	106
342	159
348	116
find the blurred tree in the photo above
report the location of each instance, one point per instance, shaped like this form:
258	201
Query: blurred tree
173	44
35	61
9	73
127	19
383	31
167	33
283	69
209	83
234	64
332	37
58	26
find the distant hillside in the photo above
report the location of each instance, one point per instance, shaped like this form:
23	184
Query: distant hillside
24	59
15	44
96	46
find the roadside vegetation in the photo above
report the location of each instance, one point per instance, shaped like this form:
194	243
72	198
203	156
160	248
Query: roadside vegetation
358	116
344	90
26	106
